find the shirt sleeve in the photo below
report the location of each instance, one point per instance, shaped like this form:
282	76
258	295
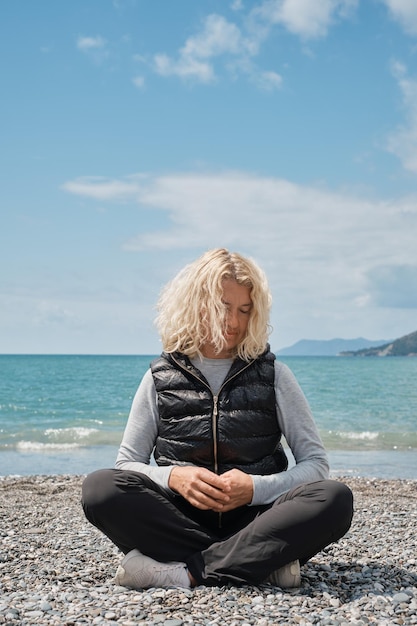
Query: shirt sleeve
140	435
299	429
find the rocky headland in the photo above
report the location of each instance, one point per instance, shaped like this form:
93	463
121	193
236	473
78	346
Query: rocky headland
404	346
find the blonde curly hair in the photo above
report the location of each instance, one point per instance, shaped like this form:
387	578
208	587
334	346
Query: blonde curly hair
191	312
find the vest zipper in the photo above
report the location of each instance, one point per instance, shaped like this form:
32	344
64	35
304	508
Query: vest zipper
214	426
215	404
214	422
215	411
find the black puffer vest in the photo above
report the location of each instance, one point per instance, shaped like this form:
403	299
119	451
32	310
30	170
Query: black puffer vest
236	429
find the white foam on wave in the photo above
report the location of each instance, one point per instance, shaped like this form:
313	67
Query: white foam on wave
38	446
365	435
12	407
76	432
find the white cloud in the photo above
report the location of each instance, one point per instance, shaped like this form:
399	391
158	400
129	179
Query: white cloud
218	37
268	80
222	43
321	248
90	43
403	141
265	80
139	82
94	47
305	18
185	68
105	189
404	12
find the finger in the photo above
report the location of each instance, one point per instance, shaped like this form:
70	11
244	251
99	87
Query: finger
210	496
210	478
203	502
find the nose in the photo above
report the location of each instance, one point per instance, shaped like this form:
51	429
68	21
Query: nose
232	319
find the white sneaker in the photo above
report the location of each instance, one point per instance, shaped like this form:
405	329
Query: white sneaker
287	576
140	572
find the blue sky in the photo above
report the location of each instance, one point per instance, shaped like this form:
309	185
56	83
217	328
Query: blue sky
137	134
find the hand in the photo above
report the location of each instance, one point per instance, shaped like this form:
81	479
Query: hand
202	488
207	491
240	488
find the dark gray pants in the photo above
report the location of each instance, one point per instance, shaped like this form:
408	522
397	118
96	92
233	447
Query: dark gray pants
238	547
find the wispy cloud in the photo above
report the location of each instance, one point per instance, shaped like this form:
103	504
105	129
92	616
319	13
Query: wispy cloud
232	45
217	38
304	18
222	44
337	242
139	81
101	188
405	13
95	47
90	43
403	141
184	67
236	5
267	81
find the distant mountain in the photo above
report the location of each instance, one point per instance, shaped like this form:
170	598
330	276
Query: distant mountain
330	347
404	346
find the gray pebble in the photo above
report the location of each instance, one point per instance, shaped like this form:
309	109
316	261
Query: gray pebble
63	572
401	597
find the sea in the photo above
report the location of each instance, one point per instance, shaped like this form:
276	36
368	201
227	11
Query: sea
64	414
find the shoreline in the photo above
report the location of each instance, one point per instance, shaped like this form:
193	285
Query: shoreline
58	569
365	463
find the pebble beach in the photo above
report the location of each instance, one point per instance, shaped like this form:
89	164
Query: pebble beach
55	568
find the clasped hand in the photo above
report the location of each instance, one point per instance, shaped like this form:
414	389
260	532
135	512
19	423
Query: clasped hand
208	491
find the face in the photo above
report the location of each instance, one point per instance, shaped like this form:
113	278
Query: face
238	303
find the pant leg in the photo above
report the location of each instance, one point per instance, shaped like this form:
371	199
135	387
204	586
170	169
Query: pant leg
134	512
297	526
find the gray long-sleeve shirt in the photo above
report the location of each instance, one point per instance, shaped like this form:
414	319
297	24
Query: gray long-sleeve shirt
294	418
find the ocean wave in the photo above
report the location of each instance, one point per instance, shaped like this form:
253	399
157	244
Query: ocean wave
371	440
365	435
55	438
27	446
12	407
71	433
82	435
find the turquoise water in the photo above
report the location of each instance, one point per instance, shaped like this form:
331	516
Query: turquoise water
66	414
